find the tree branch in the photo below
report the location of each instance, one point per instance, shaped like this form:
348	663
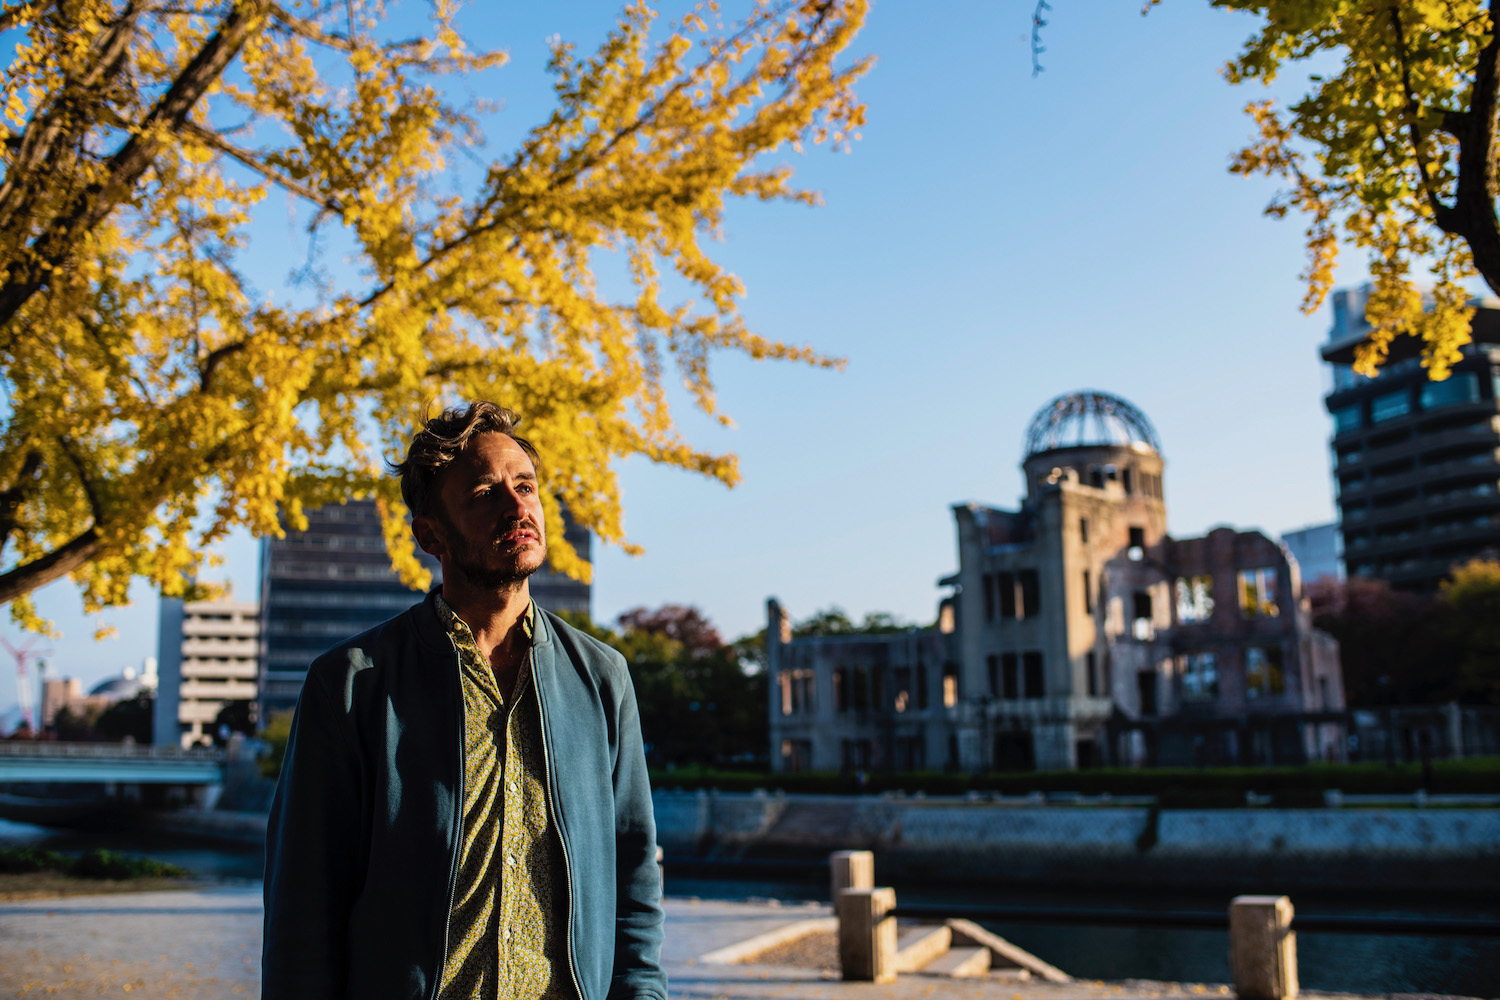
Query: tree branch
11	17
1472	214
33	164
212	360
15	494
1413	112
94	204
54	565
85	478
213	139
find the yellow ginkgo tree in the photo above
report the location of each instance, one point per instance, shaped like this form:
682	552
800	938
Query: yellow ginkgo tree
1393	149
156	398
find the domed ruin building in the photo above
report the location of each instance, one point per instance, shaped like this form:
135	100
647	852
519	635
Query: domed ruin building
1079	633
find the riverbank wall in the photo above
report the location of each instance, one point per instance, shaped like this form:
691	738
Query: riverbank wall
956	841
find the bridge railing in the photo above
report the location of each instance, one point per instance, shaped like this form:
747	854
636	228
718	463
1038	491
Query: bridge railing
35	749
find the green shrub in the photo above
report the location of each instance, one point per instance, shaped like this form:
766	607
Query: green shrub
92	864
109	864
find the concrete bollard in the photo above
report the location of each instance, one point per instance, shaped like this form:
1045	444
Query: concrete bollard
849	870
867	934
1262	948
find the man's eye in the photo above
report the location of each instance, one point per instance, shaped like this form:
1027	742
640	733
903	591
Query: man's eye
524	488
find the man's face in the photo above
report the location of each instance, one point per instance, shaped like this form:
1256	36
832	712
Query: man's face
488	526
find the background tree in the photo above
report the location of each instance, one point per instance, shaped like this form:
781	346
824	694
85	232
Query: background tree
157	398
1472	624
699	704
127	717
1393	149
1395	648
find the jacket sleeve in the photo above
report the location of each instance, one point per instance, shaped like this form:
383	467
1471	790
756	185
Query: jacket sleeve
311	855
638	914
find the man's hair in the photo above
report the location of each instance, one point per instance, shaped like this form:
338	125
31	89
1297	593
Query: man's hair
438	444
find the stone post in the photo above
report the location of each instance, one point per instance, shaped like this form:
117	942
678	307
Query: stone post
867	934
1262	948
849	870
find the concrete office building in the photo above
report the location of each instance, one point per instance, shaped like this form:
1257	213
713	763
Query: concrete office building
1416	462
1078	630
334	580
208	656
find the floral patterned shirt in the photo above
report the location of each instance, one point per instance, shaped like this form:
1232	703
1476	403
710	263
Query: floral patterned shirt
506	932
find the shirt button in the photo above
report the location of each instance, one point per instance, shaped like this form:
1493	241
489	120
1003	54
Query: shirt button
510	859
513	786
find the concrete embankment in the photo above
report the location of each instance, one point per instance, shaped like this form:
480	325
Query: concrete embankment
956	841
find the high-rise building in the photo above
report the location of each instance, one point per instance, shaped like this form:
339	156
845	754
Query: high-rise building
334	580
1078	633
1317	551
208	654
1416	462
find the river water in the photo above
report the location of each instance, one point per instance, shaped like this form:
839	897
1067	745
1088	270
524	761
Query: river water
1355	963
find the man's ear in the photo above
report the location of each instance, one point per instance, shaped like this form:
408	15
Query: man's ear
429	537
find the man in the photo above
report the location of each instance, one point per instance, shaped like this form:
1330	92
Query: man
464	810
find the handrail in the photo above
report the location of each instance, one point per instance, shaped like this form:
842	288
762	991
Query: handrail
42	749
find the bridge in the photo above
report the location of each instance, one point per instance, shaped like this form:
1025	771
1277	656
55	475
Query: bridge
96	763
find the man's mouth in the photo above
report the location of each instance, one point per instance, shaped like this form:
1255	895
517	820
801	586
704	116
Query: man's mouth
516	536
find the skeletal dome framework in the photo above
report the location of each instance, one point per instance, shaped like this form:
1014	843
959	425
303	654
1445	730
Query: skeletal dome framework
1088	418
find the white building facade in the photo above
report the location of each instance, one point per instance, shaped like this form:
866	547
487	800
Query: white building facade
208	653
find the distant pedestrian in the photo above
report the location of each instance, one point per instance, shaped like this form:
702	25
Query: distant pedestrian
464	809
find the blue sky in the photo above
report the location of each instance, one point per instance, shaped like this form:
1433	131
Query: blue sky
995	240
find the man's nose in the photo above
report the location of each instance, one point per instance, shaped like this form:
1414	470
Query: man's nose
511	501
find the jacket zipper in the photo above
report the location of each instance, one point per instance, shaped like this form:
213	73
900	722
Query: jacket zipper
556	810
458	829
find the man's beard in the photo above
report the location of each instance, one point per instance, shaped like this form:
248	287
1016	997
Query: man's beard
470	560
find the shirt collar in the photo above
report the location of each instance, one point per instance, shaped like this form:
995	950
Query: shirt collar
460	628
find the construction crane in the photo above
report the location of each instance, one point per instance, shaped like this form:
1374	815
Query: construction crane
25	695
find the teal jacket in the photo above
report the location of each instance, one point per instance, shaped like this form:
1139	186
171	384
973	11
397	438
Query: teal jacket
363	839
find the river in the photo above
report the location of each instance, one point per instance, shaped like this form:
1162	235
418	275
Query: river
1354	962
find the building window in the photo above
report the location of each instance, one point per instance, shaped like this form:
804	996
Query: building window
841	690
921	686
1010	675
1390	406
861	685
992	669
1145	689
1031	595
1007	585
902	700
950	685
1091	666
1258	593
1088	592
1200	676
1137	549
1347	418
989	597
1263	675
1127	477
1142	626
1195	598
1036	684
1083	530
1455	390
796	691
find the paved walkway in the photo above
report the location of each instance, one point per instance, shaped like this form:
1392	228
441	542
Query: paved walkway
205	945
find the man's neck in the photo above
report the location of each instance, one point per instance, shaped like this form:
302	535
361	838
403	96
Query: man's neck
494	618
